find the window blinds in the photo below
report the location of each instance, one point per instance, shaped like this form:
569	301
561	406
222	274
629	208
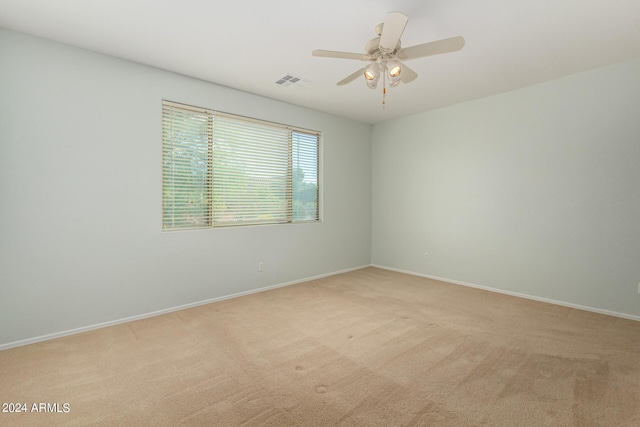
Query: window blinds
251	178
186	167
221	169
305	149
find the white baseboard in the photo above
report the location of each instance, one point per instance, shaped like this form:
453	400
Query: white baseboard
280	285
165	311
515	294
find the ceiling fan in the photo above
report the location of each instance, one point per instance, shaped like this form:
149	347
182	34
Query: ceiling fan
385	53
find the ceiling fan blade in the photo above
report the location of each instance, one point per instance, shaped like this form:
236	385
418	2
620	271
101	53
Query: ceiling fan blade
394	25
432	48
342	55
351	77
407	75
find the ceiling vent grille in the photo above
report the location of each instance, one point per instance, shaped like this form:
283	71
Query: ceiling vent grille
291	80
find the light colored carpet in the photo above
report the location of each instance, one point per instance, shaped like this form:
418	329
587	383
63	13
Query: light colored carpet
365	348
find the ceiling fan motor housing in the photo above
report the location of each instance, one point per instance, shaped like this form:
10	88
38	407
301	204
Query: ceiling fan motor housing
373	47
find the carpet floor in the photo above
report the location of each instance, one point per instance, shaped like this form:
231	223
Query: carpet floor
365	348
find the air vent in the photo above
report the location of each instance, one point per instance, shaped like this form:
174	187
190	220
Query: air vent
291	80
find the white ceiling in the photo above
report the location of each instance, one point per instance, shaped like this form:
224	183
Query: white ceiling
249	44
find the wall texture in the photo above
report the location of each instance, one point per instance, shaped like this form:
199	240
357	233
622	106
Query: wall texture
534	192
80	189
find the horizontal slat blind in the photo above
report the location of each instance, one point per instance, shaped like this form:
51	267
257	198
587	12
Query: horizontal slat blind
221	169
251	181
305	149
186	167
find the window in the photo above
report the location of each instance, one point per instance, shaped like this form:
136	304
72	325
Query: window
221	169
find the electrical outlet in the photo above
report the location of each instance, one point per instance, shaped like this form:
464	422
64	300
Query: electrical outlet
426	256
638	288
261	266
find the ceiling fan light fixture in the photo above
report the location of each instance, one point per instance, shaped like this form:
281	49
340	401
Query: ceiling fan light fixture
372	75
395	68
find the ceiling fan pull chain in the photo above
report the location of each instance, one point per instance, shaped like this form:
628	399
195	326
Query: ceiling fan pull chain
384	88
